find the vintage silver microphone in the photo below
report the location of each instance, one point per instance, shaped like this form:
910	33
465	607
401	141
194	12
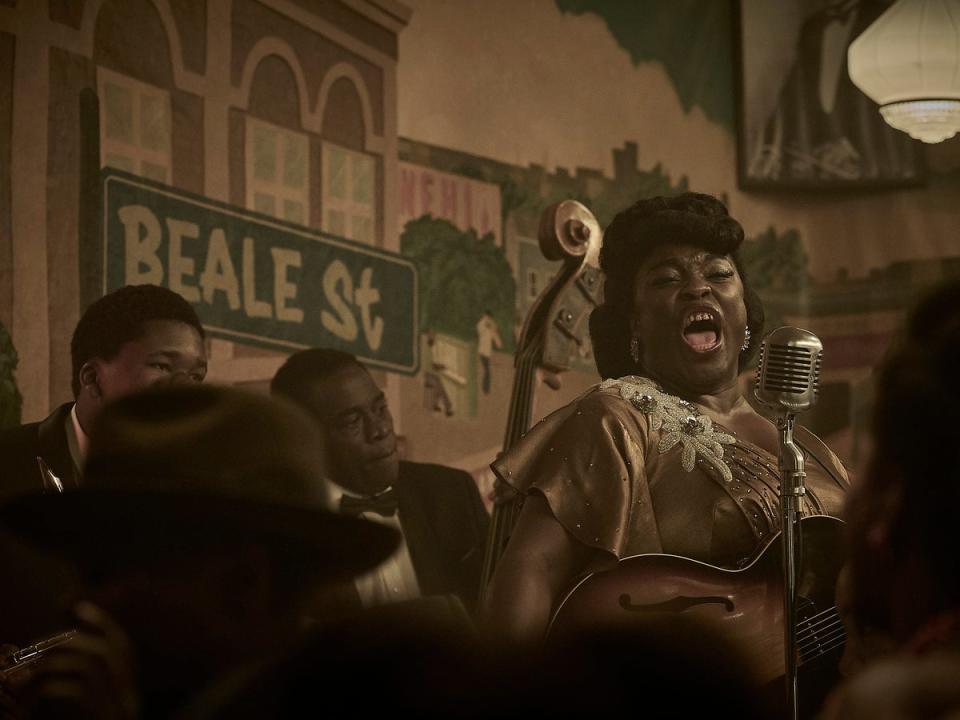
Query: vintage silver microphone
789	370
787	380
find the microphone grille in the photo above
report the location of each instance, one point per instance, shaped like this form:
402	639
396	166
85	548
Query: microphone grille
790	369
788	376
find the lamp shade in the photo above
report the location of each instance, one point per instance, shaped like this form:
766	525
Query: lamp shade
908	62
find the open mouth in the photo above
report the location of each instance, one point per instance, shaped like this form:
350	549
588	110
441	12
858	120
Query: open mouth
701	331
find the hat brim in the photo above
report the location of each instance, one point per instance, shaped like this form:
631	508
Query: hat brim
100	529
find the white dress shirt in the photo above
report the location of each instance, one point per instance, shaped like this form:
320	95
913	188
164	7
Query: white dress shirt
394	579
77	440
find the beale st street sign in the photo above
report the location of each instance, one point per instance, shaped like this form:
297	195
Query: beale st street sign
258	280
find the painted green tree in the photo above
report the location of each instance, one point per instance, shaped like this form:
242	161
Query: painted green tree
461	275
512	195
605	203
644	184
11	401
693	39
613	197
776	261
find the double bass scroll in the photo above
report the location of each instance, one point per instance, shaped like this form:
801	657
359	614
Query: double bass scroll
554	335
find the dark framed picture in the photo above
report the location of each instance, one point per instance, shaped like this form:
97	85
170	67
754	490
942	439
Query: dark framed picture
802	123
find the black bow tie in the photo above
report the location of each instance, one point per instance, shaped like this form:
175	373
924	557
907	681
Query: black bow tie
384	504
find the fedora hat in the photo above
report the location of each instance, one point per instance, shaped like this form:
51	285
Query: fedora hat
170	468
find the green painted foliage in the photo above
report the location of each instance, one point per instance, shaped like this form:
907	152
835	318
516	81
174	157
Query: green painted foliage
512	195
776	261
460	275
644	184
615	196
611	199
10	399
693	39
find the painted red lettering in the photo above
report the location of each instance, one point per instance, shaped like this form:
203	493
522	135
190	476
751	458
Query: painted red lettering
448	199
408	185
426	196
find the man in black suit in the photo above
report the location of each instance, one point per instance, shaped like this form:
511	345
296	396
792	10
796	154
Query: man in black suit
132	338
438	509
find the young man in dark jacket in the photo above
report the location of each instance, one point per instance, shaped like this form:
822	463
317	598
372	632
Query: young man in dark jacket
130	339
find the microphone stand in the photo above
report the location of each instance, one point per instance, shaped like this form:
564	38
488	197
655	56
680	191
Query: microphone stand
792	489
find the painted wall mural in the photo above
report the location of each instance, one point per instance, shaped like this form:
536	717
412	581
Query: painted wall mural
260	106
467	293
625	100
689	38
294	111
468	203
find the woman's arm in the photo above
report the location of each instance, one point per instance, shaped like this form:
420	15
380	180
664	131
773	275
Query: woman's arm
539	563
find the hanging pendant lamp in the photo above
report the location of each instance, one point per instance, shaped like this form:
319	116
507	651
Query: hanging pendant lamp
908	62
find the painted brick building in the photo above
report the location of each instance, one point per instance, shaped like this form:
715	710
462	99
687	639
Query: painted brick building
286	107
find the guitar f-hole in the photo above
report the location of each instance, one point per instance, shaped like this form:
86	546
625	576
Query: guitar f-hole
677	604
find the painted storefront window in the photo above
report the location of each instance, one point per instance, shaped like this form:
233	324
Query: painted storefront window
134	126
278	169
349	193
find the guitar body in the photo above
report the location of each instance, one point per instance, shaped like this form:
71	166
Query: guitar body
746	603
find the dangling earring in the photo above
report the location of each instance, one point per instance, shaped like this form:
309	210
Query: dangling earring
746	341
635	350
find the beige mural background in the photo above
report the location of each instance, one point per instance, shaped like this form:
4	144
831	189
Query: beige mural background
515	102
524	84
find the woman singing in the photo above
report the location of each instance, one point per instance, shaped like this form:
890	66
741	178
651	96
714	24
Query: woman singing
666	455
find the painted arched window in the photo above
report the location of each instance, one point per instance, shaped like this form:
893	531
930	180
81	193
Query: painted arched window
135	128
349	179
276	148
134	79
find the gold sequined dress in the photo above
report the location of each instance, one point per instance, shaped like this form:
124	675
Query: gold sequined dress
629	469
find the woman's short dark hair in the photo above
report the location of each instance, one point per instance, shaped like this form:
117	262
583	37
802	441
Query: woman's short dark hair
119	317
689	218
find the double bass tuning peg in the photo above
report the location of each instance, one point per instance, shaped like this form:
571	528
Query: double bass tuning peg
577	230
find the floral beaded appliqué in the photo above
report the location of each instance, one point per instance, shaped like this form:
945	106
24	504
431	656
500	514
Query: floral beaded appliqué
678	421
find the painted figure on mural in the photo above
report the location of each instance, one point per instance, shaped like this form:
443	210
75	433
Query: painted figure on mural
435	394
135	337
488	338
822	126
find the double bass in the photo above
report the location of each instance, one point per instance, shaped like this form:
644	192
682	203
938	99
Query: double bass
554	336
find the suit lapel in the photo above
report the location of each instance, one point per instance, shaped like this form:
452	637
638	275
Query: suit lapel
417	530
52	446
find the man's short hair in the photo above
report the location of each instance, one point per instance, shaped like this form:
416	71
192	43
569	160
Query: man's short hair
309	366
119	317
